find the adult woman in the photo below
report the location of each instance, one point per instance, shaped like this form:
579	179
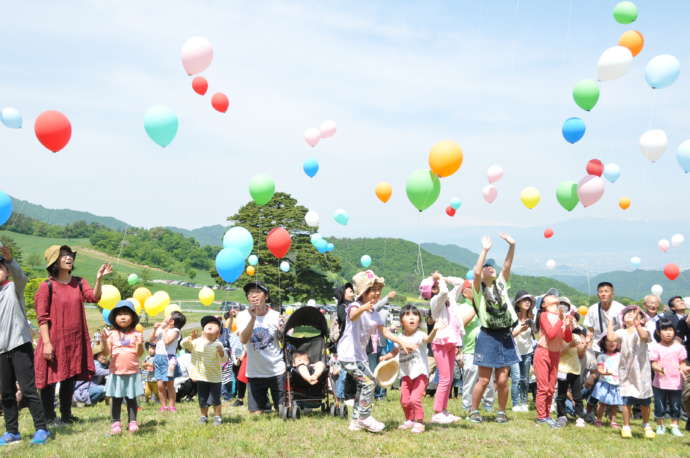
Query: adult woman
63	353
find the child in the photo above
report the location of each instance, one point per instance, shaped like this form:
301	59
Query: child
606	390
17	354
668	361
524	343
149	372
125	345
569	370
634	373
166	336
208	355
309	372
414	368
556	328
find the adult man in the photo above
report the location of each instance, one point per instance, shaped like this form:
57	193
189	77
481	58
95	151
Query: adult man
651	306
676	313
260	328
599	314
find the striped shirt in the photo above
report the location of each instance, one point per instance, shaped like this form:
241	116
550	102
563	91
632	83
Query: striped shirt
206	363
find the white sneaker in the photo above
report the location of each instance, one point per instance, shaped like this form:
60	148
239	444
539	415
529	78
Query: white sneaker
517	408
371	424
580	423
451	418
525	408
350	402
441	419
407	425
354	426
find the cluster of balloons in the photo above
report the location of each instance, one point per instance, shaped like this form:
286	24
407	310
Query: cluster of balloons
238	244
197	55
11	118
157	303
322	245
423	186
206	296
590	188
6	208
313	135
261	189
493	174
341	217
453	207
676	241
53	130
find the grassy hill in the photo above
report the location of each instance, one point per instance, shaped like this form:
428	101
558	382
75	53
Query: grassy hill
453	253
63	217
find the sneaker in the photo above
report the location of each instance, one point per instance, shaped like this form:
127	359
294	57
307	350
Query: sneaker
407	425
354	426
562	421
525	408
501	417
548	421
418	428
441	419
350	402
451	418
238	403
203	420
217	421
41	436
55	423
9	438
517	408
626	432
649	432
675	431
615	425
580	423
115	428
133	427
163	409
371	424
475	417
597	423
172	409
70	419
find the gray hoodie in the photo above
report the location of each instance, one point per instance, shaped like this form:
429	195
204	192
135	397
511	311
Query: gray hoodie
14	327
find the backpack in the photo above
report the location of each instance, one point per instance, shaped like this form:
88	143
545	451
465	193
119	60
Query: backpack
50	289
334	331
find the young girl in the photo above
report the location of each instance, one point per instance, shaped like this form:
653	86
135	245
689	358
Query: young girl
634	373
446	314
414	368
524	343
166	336
556	328
606	390
126	347
570	379
668	361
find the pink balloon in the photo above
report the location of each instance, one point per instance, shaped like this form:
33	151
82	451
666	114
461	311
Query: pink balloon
197	54
490	193
590	189
495	173
664	245
312	136
327	129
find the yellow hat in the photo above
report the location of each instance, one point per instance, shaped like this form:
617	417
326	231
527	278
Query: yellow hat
52	254
386	372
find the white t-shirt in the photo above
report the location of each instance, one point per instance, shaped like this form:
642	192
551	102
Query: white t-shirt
352	344
416	363
171	348
524	342
264	357
600	327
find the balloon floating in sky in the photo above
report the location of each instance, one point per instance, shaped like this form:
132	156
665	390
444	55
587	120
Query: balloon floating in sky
312	136
671	271
635	261
261	188
311	218
239	238
253	260
586	94
365	261
450	211
664	245
197	54
573	129
285	266
455	203
310	167
494	173
624	203
653	144
278	242
423	188
612	172
327	129
206	296
677	240
383	191
595	167
657	290
53	130
633	40
5	208
220	102
229	264
530	197
160	123
341	217
548	233
445	158
132	279
200	85
625	12
550	264
566	194
683	156
662	71
614	63
11	118
590	189
490	193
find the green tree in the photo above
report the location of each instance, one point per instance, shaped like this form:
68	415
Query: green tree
120	282
35	260
14	248
29	293
309	270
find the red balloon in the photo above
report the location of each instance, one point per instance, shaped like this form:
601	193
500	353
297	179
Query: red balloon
548	233
220	102
595	167
53	130
450	211
671	271
200	85
278	242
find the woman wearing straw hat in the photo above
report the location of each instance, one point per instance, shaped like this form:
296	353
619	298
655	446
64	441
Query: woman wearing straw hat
63	353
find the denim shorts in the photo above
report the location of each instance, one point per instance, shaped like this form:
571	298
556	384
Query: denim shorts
495	349
631	401
160	365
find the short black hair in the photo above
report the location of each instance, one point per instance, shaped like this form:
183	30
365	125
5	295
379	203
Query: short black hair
605	283
148	345
670	301
179	320
663	323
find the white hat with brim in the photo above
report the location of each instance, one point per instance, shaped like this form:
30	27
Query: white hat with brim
386	372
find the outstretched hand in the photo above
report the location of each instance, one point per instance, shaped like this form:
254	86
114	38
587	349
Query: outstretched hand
507	238
486	243
104	270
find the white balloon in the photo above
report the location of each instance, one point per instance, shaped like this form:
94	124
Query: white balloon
614	63
312	218
664	245
657	290
635	261
327	129
677	240
653	144
550	264
494	173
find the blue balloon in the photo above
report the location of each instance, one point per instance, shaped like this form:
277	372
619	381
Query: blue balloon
160	123
662	71
365	260
573	129
229	264
253	260
612	172
311	167
341	217
683	155
321	245
469	275
106	314
331	247
455	203
5	207
11	118
239	238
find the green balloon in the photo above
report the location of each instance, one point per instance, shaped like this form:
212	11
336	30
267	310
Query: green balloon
586	94
566	193
261	188
625	12
423	188
133	279
160	123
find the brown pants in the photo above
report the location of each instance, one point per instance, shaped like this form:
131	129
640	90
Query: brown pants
150	388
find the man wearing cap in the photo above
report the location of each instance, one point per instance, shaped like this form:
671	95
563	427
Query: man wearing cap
599	314
260	329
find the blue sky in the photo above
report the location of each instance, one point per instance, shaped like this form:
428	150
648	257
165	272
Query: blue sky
396	76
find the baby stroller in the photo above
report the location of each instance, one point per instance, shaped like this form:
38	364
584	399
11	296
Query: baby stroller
300	395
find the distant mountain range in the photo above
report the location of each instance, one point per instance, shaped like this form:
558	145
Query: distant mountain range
63	217
207	235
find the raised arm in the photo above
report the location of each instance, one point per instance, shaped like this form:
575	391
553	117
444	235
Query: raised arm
610	333
486	246
356	312
508	263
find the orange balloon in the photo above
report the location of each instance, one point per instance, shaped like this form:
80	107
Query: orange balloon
384	191
582	310
251	270
445	158
633	40
624	203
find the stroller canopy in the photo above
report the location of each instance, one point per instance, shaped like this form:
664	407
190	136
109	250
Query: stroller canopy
307	316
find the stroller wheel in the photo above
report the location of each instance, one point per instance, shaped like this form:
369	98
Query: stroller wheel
334	410
295	412
283	412
343	411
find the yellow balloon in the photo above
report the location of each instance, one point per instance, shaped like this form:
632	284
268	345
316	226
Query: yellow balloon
139	328
141	294
172	308
137	304
110	296
251	270
206	296
530	197
156	303
582	310
445	158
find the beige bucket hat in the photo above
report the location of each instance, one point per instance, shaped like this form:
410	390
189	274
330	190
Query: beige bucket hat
386	372
364	280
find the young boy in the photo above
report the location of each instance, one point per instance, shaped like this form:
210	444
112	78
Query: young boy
148	372
166	336
208	355
16	354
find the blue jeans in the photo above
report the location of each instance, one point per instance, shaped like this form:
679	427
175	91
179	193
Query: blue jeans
519	380
227	390
666	402
340	384
96	393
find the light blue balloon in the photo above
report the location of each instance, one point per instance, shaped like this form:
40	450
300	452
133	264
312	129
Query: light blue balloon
285	266
573	129
229	264
612	172
11	118
321	245
239	238
469	275
5	207
635	261
311	167
662	71
341	217
106	314
365	261
253	260
160	123
683	155
455	203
